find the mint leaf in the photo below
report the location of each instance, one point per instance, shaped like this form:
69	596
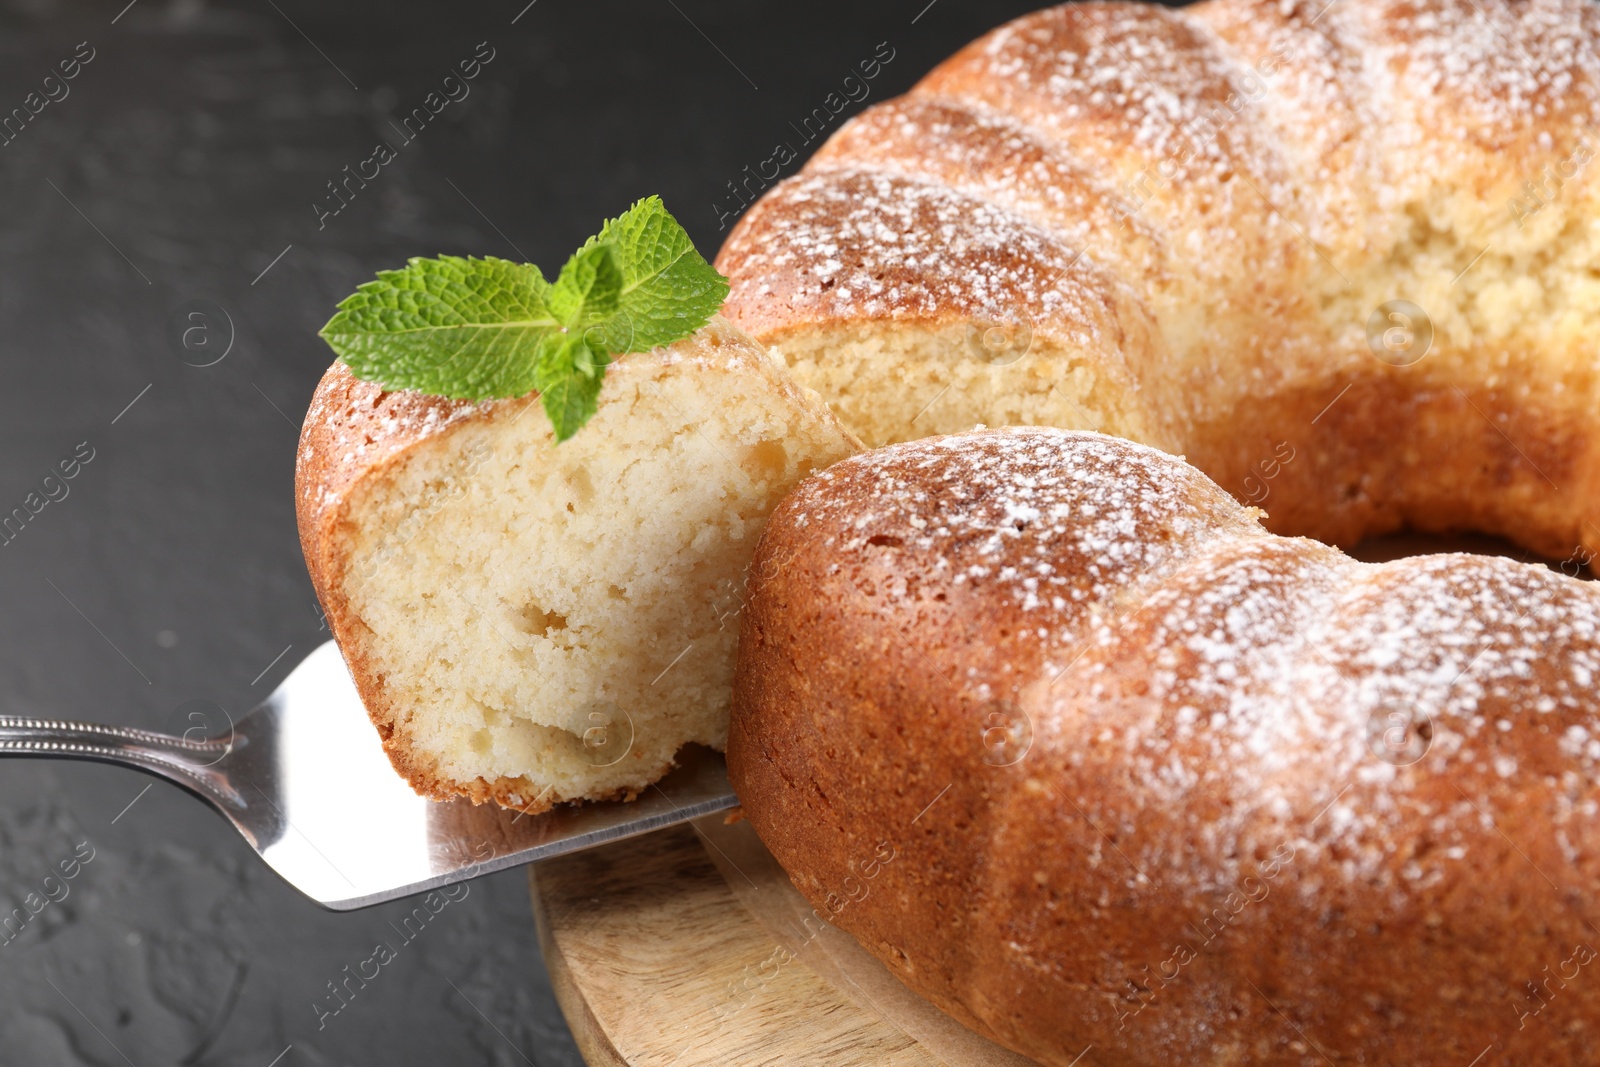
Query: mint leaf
668	290
461	328
567	353
480	328
589	287
568	374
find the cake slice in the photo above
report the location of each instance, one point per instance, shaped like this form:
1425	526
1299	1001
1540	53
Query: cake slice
531	623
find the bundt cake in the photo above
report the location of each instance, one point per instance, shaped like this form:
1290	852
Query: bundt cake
1361	232
529	623
1163	787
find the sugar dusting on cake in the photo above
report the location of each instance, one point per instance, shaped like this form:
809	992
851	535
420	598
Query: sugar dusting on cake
1048	518
993	157
1257	149
848	243
1212	659
352	425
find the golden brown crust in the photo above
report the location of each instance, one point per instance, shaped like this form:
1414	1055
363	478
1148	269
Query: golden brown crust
994	158
1241	186
1060	734
891	235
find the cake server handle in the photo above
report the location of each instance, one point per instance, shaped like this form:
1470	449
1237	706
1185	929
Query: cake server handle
188	762
305	780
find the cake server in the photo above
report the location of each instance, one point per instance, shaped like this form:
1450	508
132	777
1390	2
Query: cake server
304	780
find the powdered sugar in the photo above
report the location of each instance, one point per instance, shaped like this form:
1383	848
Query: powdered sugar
1042	518
850	243
1209	659
352	425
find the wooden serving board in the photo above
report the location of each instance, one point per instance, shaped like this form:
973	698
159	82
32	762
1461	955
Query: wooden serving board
690	947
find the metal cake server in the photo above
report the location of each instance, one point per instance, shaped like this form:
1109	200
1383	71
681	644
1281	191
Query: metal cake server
304	779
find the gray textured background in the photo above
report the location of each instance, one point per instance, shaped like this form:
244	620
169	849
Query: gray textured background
186	157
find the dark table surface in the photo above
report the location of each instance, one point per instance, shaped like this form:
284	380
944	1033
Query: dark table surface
181	164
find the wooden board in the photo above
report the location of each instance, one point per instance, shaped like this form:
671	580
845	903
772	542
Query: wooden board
689	947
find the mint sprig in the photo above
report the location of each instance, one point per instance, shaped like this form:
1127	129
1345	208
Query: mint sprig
474	329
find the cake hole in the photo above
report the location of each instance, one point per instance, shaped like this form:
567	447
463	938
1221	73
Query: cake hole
482	742
884	541
766	461
577	480
534	620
